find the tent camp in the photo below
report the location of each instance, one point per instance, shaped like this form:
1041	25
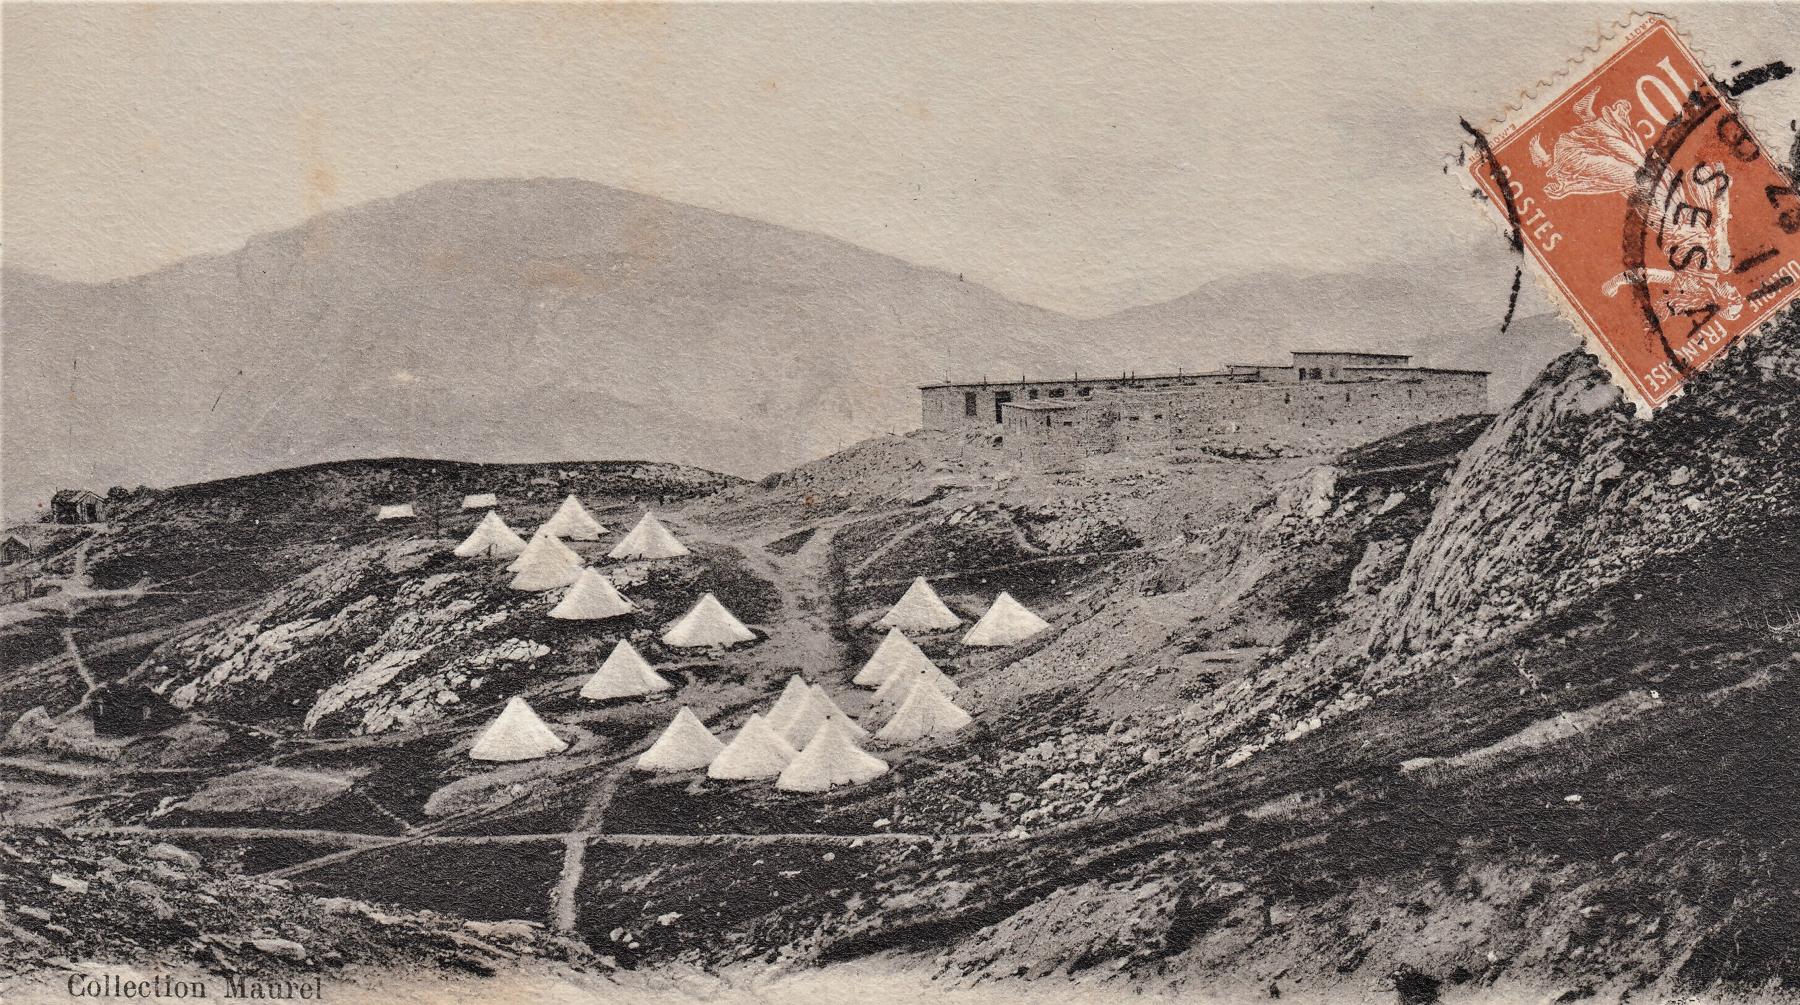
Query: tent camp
832	758
926	714
649	539
572	522
491	538
896	653
755	752
1004	624
920	609
545	565
817	708
592	598
708	624
685	745
480	500
402	511
517	735
624	674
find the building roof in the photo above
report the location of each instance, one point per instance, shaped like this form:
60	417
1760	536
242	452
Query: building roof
1106	378
70	495
1418	369
1351	352
1055	404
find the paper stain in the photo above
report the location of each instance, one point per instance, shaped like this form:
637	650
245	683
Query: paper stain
319	180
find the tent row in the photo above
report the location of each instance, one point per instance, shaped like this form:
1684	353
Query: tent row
648	539
546	563
805	741
920	609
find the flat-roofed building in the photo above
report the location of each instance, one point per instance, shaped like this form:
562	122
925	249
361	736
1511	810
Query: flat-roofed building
1339	395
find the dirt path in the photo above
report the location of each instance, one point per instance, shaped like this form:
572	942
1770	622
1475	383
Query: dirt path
805	639
958	573
81	667
359	841
890	545
565	909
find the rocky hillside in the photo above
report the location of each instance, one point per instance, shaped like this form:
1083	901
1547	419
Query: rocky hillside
1528	738
76	902
1492	707
183	563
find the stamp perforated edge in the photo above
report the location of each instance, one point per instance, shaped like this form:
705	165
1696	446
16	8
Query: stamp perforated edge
1534	98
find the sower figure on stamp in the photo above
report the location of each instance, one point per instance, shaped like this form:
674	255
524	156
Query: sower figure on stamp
1689	215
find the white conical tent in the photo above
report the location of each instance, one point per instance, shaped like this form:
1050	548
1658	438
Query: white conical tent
893	692
793	700
572	522
813	711
491	538
649	539
685	745
925	714
896	653
1005	623
920	609
755	752
832	758
798	726
592	598
546	564
822	700
708	624
543	542
480	500
517	735
624	674
402	511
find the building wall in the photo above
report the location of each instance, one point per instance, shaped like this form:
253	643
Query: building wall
1049	437
1155	422
1381	407
948	406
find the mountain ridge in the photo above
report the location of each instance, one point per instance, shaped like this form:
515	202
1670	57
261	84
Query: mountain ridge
514	320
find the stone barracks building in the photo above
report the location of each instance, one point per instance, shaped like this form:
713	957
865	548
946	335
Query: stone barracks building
1339	396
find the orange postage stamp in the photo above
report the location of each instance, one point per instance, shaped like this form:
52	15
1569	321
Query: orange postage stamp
1656	216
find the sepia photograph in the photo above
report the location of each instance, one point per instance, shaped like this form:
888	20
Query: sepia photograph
802	503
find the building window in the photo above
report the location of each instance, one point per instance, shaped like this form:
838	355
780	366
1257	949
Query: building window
1287	399
1059	392
1032	394
1157	416
968	404
1346	397
1000	398
1084	391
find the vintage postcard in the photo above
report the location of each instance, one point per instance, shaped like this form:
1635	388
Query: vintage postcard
882	502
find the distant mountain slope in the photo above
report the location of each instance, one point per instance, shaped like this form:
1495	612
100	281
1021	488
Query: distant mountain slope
518	320
490	320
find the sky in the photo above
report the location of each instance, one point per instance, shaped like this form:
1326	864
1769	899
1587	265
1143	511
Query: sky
1083	158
